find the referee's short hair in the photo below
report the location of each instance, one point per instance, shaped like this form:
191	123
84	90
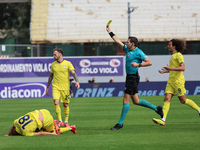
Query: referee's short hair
134	40
59	50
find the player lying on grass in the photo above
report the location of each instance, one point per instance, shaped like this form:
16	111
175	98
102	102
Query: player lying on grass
176	81
38	122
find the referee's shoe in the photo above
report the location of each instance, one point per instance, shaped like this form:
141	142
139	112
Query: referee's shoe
159	111
117	127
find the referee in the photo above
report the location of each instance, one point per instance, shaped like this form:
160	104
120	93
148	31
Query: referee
135	58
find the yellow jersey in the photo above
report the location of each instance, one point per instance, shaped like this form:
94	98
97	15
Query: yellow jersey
61	74
176	77
28	124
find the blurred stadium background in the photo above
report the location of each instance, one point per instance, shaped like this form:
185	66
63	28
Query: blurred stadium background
79	26
30	29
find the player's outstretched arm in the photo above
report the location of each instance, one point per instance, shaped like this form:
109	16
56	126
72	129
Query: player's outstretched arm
181	68
45	133
9	133
114	37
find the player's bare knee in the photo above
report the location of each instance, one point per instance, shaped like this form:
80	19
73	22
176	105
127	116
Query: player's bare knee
167	99
136	102
65	104
56	102
182	101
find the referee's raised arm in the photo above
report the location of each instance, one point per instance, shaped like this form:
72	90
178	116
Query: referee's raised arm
114	37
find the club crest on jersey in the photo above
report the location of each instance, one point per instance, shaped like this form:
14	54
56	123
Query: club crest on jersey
64	66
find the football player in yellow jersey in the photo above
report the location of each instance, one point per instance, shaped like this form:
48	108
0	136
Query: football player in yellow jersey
38	122
59	73
176	81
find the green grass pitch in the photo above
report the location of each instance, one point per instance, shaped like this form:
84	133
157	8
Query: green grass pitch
95	116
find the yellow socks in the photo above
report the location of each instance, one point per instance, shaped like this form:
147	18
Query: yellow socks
66	113
192	104
188	102
166	107
58	111
62	130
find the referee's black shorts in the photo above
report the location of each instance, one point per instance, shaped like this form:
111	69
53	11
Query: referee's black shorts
132	81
